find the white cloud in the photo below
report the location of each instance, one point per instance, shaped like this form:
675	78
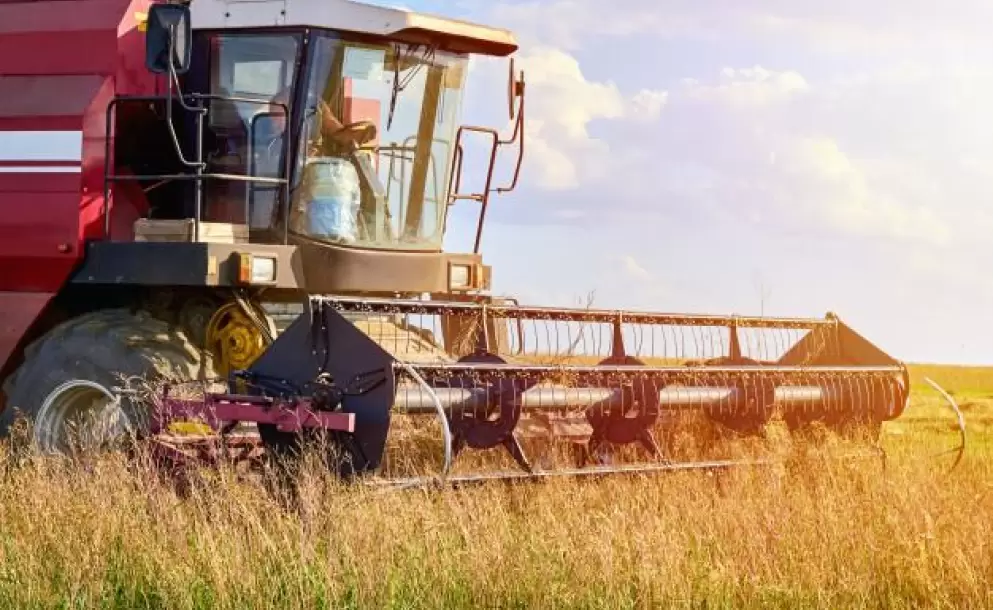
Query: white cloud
561	105
563	95
842	26
839	193
568	24
647	104
755	86
552	168
742	142
633	269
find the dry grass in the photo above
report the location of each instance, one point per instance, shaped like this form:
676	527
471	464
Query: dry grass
831	536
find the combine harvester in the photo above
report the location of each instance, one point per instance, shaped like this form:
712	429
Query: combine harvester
172	174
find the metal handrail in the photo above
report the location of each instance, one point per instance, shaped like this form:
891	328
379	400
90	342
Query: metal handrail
199	176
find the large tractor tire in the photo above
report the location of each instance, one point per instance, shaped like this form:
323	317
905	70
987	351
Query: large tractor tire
69	375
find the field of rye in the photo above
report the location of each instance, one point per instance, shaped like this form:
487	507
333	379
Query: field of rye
810	534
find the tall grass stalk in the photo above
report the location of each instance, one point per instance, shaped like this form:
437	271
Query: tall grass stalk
843	535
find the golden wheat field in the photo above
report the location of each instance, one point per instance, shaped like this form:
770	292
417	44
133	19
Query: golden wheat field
808	534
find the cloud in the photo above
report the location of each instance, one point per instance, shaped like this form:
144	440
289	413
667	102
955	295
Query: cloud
564	95
839	193
759	145
843	26
562	104
746	87
633	269
647	105
570	24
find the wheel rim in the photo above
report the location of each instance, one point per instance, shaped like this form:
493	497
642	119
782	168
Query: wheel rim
80	415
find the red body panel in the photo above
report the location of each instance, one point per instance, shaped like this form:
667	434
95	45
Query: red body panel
60	65
18	311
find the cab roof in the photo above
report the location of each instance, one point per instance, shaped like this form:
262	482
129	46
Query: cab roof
352	16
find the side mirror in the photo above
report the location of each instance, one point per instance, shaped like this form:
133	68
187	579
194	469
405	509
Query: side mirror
167	40
515	90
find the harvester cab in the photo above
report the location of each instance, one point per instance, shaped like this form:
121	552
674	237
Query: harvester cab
288	151
336	132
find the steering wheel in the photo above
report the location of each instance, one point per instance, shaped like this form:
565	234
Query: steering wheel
358	132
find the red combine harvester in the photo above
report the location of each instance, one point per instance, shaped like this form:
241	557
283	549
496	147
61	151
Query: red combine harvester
173	174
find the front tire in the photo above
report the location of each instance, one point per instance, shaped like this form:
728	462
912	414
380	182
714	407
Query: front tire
65	387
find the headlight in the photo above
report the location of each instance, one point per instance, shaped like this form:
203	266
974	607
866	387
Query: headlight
256	269
263	269
459	277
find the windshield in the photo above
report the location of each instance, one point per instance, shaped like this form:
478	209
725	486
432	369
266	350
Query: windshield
376	148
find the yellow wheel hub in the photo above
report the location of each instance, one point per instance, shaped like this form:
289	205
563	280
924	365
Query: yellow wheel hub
236	343
234	339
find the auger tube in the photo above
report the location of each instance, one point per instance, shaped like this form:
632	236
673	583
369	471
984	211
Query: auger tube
423	400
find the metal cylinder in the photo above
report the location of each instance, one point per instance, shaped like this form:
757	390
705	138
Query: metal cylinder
838	395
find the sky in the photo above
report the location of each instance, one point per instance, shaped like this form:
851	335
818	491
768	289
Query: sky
782	157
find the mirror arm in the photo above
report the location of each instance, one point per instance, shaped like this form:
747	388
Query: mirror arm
517	136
